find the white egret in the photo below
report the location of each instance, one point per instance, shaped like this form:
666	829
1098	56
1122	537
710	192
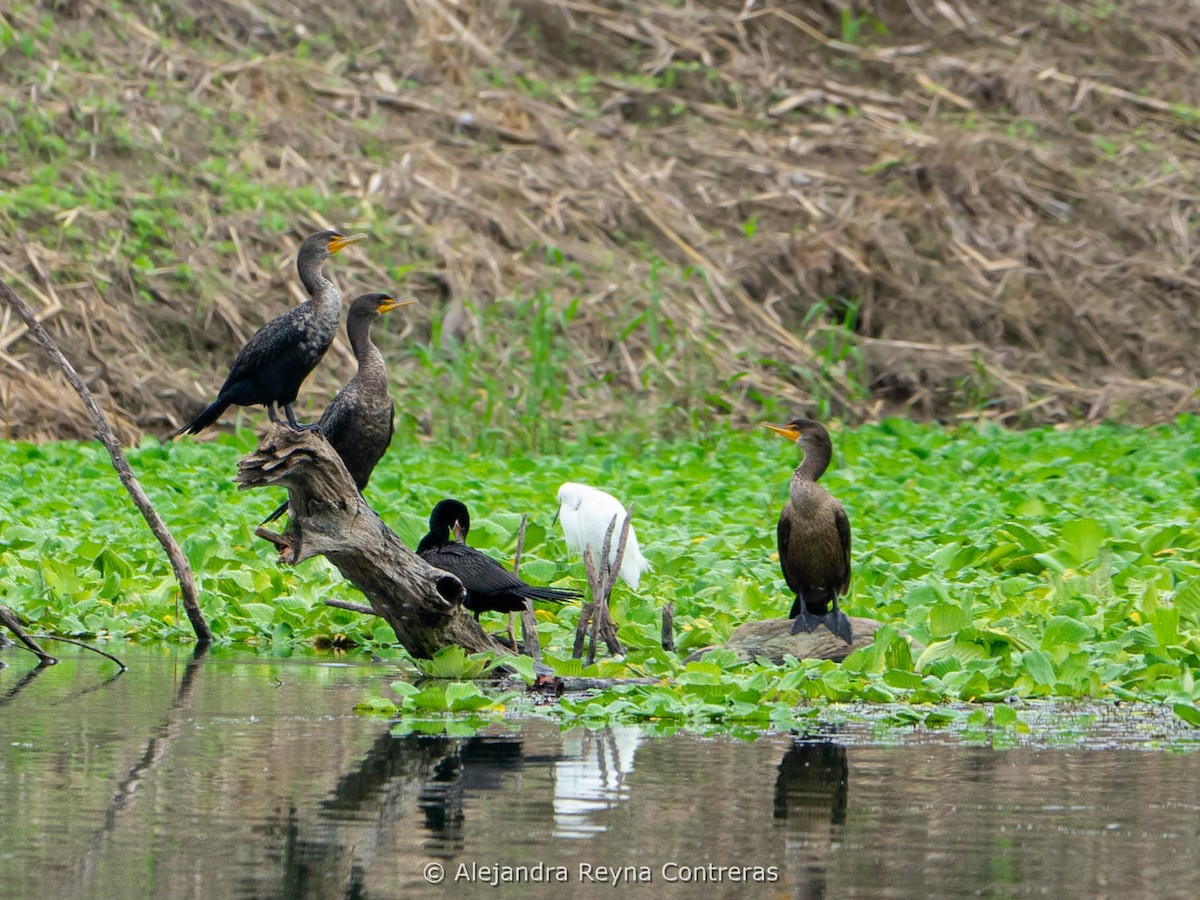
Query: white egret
585	513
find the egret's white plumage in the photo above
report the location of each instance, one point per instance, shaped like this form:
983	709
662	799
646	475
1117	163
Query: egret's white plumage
585	513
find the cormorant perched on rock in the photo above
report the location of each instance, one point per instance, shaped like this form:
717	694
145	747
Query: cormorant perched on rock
358	421
488	584
270	368
814	535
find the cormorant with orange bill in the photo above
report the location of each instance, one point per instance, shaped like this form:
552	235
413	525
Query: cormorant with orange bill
358	422
273	364
814	535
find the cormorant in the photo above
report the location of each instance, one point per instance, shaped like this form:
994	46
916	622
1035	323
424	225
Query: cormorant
586	513
358	421
814	535
488	584
270	368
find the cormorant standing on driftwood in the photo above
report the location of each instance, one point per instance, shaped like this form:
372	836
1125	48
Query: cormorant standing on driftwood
270	368
488	584
358	422
814	535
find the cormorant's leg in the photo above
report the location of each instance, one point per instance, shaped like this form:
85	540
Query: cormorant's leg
804	622
295	425
271	412
837	622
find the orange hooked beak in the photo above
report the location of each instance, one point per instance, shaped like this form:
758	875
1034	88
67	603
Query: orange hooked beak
344	241
391	303
786	430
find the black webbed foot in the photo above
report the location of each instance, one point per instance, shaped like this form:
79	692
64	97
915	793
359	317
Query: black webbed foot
804	622
837	622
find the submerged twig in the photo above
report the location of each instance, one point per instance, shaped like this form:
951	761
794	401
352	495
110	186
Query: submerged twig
104	431
66	640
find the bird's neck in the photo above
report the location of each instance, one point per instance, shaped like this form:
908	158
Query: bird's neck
370	360
324	293
818	451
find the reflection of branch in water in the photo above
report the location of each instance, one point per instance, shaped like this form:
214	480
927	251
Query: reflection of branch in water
810	794
155	750
26	680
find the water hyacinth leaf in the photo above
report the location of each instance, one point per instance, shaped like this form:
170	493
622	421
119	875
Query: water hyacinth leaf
377	706
1082	538
1065	632
1188	712
1037	664
947	619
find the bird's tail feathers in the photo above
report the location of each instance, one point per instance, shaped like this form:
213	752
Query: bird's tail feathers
207	416
556	595
279	511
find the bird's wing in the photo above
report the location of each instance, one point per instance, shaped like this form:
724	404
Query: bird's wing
335	421
276	340
843	527
478	572
783	534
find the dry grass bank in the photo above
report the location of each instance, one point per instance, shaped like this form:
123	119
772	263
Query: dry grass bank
914	207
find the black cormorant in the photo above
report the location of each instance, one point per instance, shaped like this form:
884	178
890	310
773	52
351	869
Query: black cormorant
488	584
814	535
358	421
270	368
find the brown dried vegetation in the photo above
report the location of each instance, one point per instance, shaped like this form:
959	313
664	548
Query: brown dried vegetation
993	205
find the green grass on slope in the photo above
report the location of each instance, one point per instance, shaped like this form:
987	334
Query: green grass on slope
1041	563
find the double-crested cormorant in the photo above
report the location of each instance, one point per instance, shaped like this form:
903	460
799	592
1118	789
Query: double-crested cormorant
488	584
814	535
358	421
586	512
270	368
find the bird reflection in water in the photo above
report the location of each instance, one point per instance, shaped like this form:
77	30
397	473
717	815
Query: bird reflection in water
592	777
810	798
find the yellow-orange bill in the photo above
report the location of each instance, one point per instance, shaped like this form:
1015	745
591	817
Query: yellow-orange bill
391	303
343	240
788	432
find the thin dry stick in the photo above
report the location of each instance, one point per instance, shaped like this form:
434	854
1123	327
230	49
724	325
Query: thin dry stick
668	627
585	611
601	580
609	631
9	619
353	607
604	583
108	437
65	640
529	636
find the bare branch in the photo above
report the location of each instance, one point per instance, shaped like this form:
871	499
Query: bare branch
183	573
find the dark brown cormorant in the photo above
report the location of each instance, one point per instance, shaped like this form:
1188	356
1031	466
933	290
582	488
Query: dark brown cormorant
358	421
488	584
814	535
270	368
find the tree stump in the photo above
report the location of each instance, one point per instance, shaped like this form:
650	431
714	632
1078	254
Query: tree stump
329	517
771	639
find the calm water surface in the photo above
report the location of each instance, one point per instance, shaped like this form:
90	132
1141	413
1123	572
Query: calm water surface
251	777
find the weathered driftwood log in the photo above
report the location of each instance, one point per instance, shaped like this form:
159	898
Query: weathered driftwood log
328	517
772	639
